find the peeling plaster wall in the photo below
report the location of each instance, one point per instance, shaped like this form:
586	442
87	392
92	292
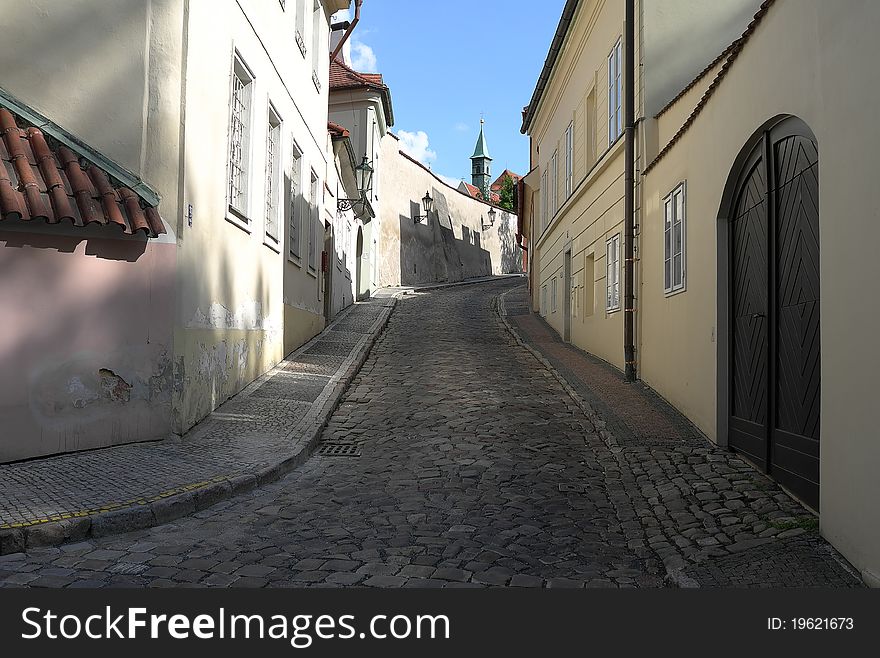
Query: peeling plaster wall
85	344
452	244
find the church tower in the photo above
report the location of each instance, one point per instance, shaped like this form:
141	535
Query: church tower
480	163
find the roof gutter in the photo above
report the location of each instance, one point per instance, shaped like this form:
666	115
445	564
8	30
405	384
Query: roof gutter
354	22
555	49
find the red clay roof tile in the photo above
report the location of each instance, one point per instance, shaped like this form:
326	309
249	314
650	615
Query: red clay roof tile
42	181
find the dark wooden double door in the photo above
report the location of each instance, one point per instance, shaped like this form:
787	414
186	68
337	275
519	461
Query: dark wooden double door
774	313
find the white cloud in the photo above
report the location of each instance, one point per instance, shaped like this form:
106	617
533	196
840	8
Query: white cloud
452	182
361	56
417	145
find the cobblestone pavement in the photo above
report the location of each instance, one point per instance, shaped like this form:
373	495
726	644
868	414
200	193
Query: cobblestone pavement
254	430
711	517
470	466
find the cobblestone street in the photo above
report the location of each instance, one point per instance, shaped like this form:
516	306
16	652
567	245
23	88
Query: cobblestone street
462	461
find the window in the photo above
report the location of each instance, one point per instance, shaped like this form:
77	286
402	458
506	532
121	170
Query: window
545	196
569	160
589	285
673	240
318	30
301	26
313	221
544	301
239	139
612	275
295	207
553	294
615	89
554	183
273	153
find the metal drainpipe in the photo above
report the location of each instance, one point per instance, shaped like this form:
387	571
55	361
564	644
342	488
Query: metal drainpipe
629	194
357	17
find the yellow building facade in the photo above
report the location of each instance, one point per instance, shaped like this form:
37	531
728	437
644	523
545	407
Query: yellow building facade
755	230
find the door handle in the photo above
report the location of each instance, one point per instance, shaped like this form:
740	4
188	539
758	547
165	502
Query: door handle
757	315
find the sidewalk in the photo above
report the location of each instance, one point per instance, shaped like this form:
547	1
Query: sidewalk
711	518
255	437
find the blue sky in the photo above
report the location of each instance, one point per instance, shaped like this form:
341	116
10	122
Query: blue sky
446	62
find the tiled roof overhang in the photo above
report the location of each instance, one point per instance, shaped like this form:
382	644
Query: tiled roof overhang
343	77
40	179
732	52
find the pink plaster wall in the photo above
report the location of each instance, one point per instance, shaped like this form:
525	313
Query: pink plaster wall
85	341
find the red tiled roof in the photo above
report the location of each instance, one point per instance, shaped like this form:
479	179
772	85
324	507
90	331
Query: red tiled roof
337	130
38	181
477	194
733	52
343	76
496	186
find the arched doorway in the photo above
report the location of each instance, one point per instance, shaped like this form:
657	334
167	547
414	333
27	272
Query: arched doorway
769	275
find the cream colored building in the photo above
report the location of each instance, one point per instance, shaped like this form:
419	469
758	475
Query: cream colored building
216	113
575	191
756	227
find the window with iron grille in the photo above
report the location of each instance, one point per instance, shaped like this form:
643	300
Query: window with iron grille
673	240
544	301
313	222
300	35
554	183
239	139
319	28
612	278
273	155
295	205
545	196
553	294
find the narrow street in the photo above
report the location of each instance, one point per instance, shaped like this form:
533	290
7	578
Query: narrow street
473	467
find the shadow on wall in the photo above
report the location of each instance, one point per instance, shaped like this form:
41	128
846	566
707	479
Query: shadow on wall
511	254
430	252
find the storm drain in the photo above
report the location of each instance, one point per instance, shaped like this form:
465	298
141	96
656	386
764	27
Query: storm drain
340	449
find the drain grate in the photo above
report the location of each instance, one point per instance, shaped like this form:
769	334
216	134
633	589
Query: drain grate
340	449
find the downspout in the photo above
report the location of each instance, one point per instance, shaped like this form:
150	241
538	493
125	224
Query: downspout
629	195
357	17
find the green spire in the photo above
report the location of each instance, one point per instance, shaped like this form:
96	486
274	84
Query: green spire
481	150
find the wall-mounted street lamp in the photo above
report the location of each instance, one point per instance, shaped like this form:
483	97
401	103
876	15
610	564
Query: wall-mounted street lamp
364	176
491	223
428	205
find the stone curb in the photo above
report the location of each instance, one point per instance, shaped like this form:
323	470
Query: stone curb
673	562
147	515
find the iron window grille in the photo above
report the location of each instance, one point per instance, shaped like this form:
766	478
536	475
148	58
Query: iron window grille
239	139
273	149
294	223
615	92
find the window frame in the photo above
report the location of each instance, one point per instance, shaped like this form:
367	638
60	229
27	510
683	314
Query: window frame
314	218
615	90
554	183
569	160
240	214
300	31
317	20
545	200
612	245
554	289
295	205
272	183
670	286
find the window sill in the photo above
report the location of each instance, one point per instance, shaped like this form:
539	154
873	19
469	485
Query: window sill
272	243
239	219
316	80
295	260
301	43
612	311
673	293
312	272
